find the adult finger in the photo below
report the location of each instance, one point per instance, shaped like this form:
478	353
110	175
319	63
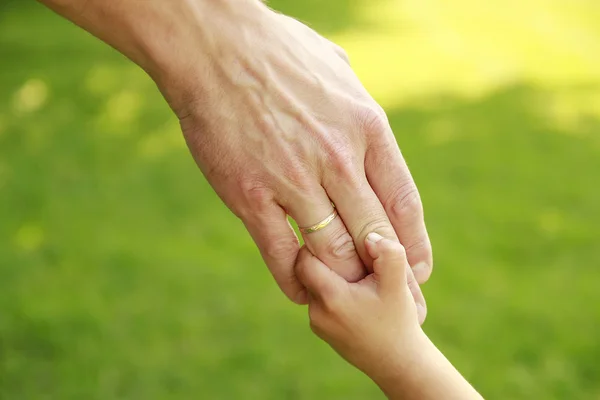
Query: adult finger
391	180
332	244
279	246
317	277
358	206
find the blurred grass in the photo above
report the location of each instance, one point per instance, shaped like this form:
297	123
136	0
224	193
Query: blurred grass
122	276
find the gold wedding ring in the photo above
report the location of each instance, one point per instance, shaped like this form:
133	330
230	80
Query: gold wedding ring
318	226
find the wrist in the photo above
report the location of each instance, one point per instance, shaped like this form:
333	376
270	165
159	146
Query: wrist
193	38
423	372
174	41
406	361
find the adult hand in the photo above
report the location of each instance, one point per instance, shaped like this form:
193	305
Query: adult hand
282	126
279	124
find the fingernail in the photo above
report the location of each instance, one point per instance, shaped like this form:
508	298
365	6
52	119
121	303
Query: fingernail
374	237
422	271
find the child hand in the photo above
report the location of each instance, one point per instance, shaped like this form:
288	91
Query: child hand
372	323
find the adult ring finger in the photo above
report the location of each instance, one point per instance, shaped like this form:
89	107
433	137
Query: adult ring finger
320	225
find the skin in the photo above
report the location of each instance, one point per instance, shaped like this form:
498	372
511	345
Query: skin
278	123
374	325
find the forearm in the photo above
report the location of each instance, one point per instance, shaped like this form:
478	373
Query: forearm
166	38
424	376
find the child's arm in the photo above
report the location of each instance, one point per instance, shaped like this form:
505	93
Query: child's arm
373	325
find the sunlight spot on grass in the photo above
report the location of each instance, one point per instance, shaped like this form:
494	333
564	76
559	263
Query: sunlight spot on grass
550	222
31	96
29	237
160	142
124	106
466	48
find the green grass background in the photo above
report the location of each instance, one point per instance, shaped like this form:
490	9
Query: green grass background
122	276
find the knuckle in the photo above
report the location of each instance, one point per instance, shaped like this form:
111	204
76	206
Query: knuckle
343	167
376	223
340	246
281	248
341	52
298	178
337	49
256	195
423	246
405	203
372	119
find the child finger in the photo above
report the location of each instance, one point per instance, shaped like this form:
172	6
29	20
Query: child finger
389	262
